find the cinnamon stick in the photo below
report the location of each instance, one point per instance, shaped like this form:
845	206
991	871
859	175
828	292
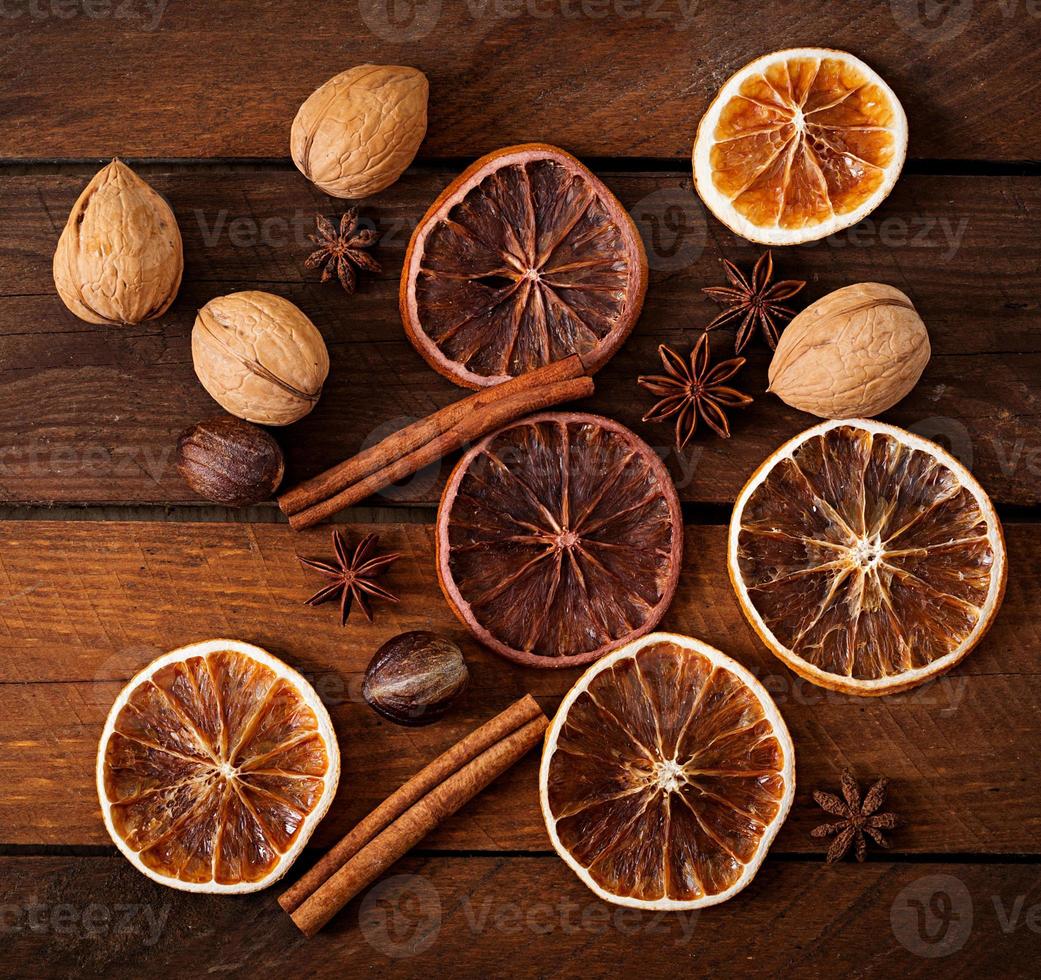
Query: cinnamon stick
410	449
430	777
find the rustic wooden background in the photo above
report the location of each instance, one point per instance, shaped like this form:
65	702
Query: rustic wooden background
106	561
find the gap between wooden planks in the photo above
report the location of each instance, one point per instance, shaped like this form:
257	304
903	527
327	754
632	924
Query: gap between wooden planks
86	604
90	414
525	916
597	77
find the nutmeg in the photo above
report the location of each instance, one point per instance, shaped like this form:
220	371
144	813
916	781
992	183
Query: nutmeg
259	356
119	259
414	678
229	461
358	132
853	354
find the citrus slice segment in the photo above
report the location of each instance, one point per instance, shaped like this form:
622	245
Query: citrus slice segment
666	774
867	558
215	765
559	537
524	259
799	144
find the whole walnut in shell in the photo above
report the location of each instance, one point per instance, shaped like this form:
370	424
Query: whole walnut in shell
358	133
260	357
119	258
853	354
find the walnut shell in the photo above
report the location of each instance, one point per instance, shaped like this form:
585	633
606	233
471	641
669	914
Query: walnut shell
119	259
358	133
852	354
230	461
260	357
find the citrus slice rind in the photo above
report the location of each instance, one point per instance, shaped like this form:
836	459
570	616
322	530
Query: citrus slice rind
799	144
559	538
524	259
666	774
867	558
216	763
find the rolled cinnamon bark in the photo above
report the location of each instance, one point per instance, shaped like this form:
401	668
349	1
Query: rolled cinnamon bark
516	716
413	825
410	449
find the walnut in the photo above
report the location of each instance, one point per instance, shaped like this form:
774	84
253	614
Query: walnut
119	258
356	134
853	354
260	357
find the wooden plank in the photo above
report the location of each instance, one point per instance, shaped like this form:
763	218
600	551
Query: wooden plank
600	76
523	916
91	415
88	604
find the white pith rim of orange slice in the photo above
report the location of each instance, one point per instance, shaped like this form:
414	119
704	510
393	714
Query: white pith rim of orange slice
910	678
325	729
720	205
770	711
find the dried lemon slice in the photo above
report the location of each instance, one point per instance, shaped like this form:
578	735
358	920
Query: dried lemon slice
666	775
799	144
216	763
867	558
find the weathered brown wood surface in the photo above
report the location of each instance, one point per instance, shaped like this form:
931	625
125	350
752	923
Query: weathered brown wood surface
106	560
107	404
135	590
605	77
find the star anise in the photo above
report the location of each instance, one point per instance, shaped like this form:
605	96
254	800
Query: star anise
340	251
857	818
693	391
755	300
353	576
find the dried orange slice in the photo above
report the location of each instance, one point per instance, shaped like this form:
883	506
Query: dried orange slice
666	774
799	144
867	558
215	765
559	537
524	259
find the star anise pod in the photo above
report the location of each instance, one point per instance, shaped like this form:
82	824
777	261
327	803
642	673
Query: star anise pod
695	390
340	251
354	576
754	300
857	818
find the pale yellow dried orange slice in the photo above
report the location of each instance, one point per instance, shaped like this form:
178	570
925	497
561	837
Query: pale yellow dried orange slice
868	559
666	774
799	144
216	763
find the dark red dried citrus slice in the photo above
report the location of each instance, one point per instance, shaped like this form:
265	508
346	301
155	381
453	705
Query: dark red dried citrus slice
867	558
559	538
216	763
524	259
666	774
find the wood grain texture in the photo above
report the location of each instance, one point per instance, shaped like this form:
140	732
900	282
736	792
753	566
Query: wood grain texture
519	916
88	604
602	77
90	414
